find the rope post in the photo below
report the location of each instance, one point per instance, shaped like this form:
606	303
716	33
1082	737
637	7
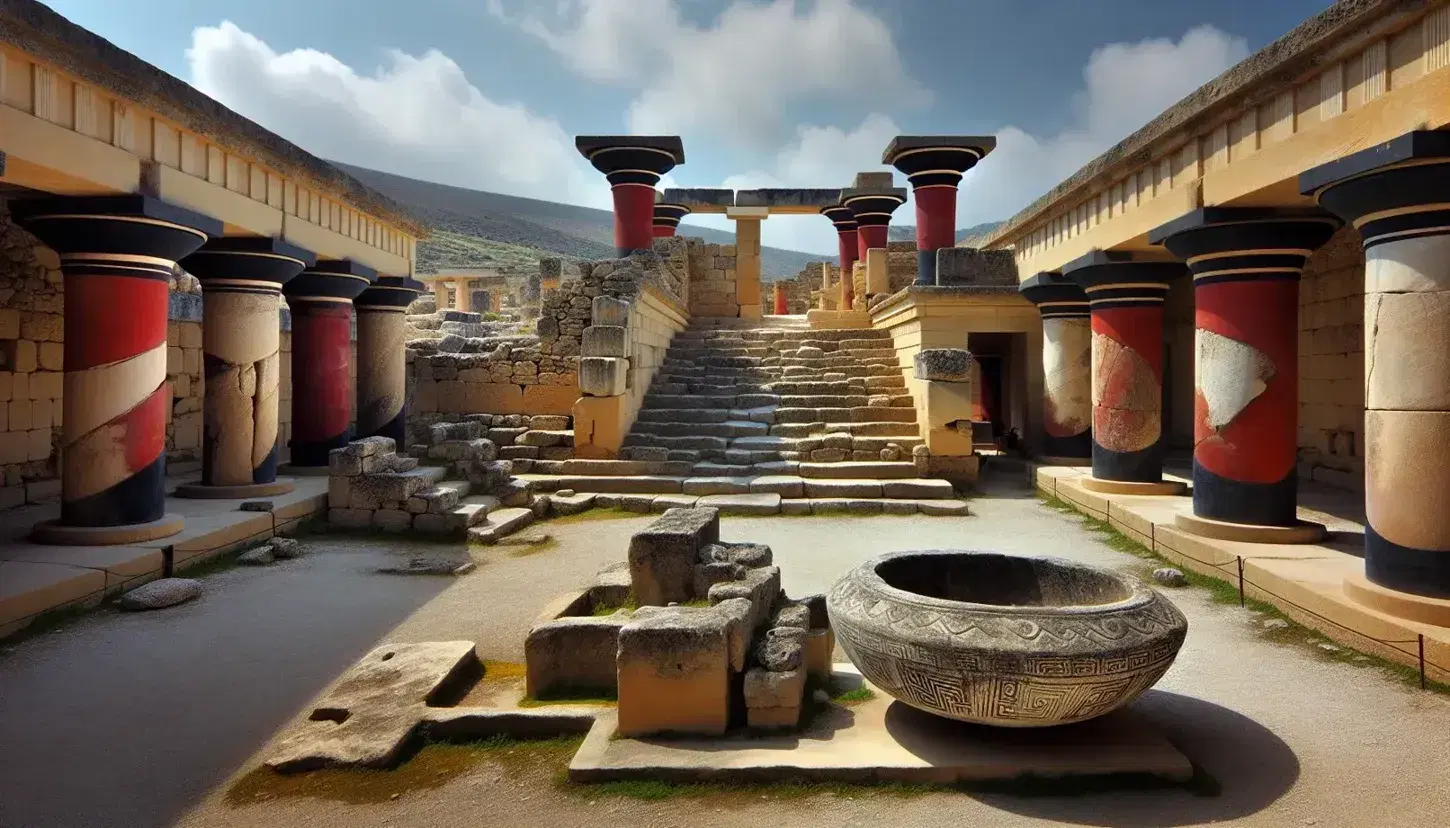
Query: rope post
1421	637
1240	559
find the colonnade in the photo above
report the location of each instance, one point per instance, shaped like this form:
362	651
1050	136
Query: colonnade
1246	264
117	256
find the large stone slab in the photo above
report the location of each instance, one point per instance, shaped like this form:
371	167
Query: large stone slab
743	504
885	740
662	555
674	672
573	656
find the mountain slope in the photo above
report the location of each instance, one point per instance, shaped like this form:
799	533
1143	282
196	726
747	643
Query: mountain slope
907	232
480	229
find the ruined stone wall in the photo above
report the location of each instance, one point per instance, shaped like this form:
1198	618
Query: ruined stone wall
798	291
1331	364
712	279
901	265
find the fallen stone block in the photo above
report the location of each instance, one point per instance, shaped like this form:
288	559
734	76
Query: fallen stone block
257	556
161	593
760	586
764	688
611	586
710	574
749	555
781	650
573	656
662	556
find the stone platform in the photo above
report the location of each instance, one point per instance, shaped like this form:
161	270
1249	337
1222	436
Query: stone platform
1313	583
36	578
882	740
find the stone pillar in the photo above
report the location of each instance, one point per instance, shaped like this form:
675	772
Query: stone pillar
667	219
1246	265
382	351
1125	296
117	254
871	201
462	296
241	281
747	265
1067	347
846	245
321	301
1395	196
934	165
633	165
440	294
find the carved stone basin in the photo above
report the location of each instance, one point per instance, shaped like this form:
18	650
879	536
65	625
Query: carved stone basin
1002	639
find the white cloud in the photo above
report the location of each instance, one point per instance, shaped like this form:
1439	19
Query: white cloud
738	77
1126	85
415	116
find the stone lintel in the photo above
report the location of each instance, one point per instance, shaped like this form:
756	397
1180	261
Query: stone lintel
757	213
789	199
698	199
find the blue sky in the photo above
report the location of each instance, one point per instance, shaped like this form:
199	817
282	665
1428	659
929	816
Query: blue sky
488	93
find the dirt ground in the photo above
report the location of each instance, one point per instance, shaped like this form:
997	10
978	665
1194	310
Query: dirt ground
160	719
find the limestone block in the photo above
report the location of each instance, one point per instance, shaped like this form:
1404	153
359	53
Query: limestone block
946	403
782	649
760	586
370	446
392	520
662	556
674	673
608	311
737	612
342	464
792	615
603	376
545	439
943	365
339	491
772	718
764	688
573	656
350	518
712	573
877	278
549	422
605	341
749	555
820	643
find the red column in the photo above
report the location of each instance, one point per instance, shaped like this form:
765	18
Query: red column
1246	266
1125	297
322	388
869	236
934	165
846	241
667	219
782	307
872	209
117	254
633	165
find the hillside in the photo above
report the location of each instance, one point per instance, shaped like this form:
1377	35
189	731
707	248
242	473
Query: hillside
907	232
480	229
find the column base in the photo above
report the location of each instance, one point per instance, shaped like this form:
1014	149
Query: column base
58	534
1404	605
1302	531
302	471
201	491
1131	487
1050	460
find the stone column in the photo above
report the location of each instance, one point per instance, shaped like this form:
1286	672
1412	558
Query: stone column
440	294
117	254
871	200
382	351
321	301
1246	265
667	218
1395	196
462	296
782	304
934	165
846	245
1067	346
1125	296
241	281
633	165
747	262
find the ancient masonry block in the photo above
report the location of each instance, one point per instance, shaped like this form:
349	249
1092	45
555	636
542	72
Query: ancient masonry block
943	365
603	376
573	656
662	556
608	311
606	341
674	672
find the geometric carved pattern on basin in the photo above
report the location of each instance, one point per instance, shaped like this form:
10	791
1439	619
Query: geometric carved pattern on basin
1002	639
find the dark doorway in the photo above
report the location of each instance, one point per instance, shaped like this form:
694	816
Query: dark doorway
991	394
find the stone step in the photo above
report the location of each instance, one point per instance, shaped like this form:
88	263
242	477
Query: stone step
608	484
772	503
500	523
875	429
858	414
879	469
693	442
866	443
473	511
728	428
650	414
677	401
625	467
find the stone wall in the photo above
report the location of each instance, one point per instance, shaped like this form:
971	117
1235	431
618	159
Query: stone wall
798	290
1331	364
712	279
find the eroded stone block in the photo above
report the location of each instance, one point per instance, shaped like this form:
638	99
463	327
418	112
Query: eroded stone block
674	673
605	341
573	656
606	310
662	556
601	376
943	365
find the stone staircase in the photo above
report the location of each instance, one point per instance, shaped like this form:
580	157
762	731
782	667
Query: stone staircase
745	415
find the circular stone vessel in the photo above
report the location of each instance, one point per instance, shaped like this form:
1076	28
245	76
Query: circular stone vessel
1001	639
